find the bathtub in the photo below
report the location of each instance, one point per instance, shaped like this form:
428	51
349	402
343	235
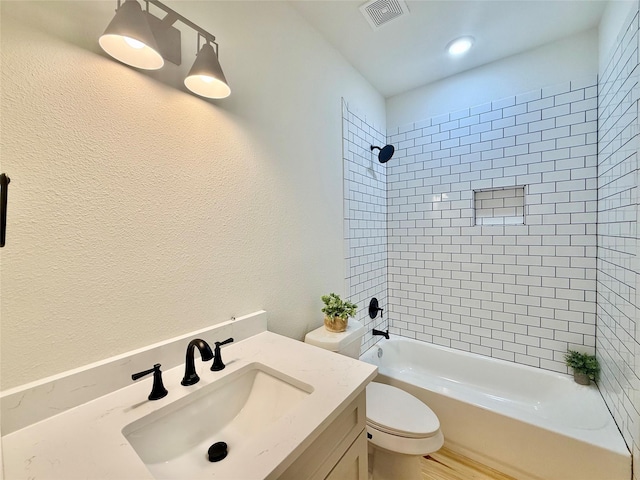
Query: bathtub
526	422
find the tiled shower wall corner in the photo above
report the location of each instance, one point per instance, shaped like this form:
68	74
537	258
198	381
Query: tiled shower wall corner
618	313
523	293
365	218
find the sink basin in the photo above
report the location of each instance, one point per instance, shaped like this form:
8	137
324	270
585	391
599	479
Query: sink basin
173	441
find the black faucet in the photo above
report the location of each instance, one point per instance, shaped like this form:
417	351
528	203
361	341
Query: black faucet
157	391
217	362
190	375
380	332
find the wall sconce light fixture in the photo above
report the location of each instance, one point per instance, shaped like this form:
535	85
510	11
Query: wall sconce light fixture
138	38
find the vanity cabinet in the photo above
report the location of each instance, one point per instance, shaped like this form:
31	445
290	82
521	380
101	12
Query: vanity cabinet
353	464
340	452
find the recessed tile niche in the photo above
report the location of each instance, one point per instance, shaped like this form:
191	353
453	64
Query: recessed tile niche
499	206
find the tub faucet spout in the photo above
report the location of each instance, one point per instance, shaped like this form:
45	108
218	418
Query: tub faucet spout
380	332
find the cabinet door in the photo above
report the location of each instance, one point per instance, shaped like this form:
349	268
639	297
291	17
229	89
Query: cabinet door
320	458
353	464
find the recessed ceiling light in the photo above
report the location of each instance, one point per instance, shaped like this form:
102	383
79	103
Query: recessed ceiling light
460	45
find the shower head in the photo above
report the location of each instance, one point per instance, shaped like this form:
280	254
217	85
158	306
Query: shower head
385	153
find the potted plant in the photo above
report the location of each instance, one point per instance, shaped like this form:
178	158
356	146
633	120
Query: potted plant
337	312
585	367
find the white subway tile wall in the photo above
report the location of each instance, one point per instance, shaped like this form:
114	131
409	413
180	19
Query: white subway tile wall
365	217
618	312
519	292
522	293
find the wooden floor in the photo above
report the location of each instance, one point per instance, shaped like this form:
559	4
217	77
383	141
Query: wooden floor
448	465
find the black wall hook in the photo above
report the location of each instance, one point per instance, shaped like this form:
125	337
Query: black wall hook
4	185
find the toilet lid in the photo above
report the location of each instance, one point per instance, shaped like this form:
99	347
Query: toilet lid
397	412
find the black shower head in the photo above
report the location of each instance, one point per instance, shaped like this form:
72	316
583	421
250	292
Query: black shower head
385	153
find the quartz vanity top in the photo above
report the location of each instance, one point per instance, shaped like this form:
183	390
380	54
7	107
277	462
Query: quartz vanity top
87	441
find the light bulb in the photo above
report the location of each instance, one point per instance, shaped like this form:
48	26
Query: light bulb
133	43
460	45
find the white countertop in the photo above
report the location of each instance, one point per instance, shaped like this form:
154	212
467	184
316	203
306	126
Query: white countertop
87	441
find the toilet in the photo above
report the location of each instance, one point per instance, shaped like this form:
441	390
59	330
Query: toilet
401	429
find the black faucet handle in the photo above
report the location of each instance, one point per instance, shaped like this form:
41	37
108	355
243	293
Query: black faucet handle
138	375
218	364
157	391
374	308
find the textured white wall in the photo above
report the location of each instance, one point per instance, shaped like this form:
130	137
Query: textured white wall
138	212
557	62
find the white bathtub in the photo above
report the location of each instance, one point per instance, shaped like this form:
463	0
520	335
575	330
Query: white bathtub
526	422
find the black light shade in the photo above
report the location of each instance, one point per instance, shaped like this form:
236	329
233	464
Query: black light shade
128	38
206	77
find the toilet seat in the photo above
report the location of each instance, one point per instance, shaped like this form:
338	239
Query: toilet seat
396	412
399	422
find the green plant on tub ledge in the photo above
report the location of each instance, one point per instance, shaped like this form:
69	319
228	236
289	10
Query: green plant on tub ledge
337	312
585	367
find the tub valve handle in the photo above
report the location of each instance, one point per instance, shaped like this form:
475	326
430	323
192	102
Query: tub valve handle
374	308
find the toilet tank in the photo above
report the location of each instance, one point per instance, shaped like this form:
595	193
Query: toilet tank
346	343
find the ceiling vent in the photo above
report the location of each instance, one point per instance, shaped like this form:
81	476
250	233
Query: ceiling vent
381	12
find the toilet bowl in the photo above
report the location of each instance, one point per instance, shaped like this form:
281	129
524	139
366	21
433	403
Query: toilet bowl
400	428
